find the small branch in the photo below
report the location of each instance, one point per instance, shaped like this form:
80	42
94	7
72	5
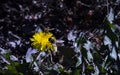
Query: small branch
79	2
14	35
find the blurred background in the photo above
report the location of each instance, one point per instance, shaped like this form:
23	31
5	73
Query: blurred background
87	32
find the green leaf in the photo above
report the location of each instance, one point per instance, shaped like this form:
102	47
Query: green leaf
81	40
103	71
61	69
2	72
110	25
21	74
22	68
84	52
11	70
50	72
109	32
112	36
90	67
7	55
77	72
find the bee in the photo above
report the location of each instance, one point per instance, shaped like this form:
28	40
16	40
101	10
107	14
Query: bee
51	40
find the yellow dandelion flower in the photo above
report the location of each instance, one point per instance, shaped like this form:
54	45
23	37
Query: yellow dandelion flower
42	41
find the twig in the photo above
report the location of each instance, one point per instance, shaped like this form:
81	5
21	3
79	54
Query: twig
79	2
14	35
